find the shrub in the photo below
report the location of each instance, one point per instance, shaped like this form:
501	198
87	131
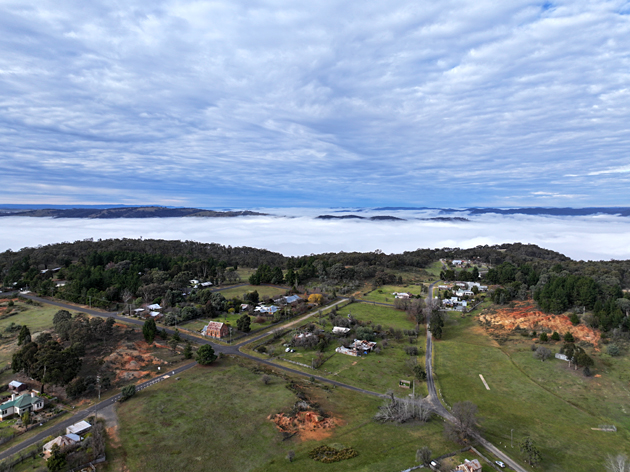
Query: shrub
555	336
613	350
411	350
127	392
327	454
543	337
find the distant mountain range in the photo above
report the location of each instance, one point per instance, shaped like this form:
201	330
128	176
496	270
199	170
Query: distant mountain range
446	214
127	212
357	217
388	218
620	211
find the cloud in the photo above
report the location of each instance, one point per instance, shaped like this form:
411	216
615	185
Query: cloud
587	238
238	103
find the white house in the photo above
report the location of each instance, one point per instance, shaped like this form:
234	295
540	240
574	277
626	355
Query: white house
402	295
154	307
266	309
19	405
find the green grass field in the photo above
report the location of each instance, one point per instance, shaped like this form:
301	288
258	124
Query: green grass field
215	418
557	407
37	318
384	294
263	291
378	314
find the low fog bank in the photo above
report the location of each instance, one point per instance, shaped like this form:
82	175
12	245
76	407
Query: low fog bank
586	238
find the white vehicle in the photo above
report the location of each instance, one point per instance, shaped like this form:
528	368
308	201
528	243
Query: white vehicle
500	464
434	464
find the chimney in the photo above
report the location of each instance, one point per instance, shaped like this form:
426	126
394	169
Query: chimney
32	394
13	395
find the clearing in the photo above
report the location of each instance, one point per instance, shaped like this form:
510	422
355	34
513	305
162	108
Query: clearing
554	405
227	425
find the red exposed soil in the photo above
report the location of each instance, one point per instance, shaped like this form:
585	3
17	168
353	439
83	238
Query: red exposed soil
129	359
307	424
6	309
525	316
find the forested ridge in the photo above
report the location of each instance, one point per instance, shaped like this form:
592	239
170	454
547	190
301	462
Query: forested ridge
118	270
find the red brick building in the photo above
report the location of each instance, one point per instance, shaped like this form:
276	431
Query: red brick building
216	330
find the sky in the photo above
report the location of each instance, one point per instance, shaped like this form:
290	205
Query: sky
581	238
244	104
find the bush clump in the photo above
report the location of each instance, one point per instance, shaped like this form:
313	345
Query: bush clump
327	454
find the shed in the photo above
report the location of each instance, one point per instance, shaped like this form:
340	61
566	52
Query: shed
16	386
79	428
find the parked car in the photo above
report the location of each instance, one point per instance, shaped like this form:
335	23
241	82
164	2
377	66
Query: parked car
434	464
500	464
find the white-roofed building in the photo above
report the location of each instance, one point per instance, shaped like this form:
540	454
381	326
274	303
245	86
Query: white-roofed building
79	428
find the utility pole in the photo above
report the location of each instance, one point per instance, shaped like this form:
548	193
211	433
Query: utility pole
98	384
511	438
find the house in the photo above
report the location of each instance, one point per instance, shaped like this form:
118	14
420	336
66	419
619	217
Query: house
340	330
357	348
155	314
206	284
403	295
137	311
303	336
363	346
271	309
457	262
244	306
292	299
154	307
64	442
469	466
16	386
79	428
194	283
215	329
347	351
20	405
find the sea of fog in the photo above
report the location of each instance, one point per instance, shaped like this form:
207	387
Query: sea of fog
297	232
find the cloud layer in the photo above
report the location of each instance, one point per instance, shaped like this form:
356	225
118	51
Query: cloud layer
249	103
586	238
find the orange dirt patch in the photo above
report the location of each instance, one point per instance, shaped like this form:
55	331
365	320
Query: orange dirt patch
525	316
130	360
307	424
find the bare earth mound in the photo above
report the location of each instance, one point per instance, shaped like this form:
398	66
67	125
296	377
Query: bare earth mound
129	359
308	424
525	316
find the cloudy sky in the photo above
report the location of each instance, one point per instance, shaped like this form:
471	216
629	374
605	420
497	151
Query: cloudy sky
266	103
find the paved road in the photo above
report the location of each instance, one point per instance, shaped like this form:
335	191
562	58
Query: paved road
435	402
292	323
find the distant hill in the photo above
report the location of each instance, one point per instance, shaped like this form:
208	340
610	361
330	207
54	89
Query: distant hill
357	217
130	212
540	211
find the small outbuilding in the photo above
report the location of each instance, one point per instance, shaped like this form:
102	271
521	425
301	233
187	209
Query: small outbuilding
79	428
16	386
